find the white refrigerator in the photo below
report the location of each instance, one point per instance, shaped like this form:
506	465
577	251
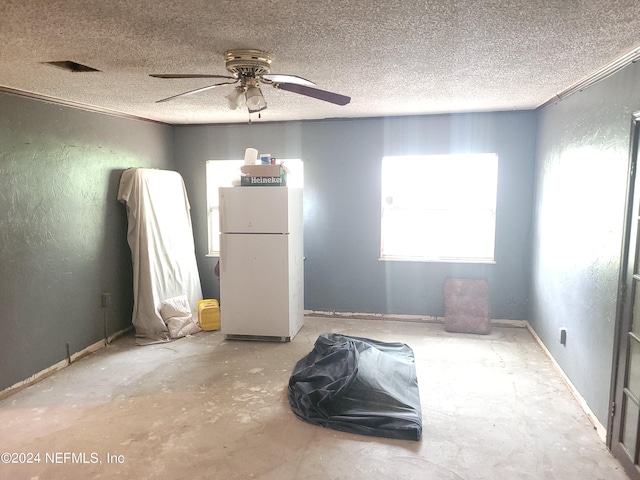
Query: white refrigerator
261	263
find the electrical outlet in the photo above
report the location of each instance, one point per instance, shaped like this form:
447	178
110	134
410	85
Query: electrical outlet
563	336
106	300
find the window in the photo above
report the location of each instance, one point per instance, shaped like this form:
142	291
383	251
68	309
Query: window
439	208
224	173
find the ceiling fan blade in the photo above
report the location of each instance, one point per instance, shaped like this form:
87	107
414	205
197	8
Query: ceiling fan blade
187	75
278	78
197	90
314	93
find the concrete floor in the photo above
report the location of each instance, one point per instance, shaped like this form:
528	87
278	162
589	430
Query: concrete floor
204	408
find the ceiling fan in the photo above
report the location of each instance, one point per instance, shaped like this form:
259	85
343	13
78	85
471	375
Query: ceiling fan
249	69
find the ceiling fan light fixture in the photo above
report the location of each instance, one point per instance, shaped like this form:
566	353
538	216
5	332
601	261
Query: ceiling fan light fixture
255	100
250	68
235	98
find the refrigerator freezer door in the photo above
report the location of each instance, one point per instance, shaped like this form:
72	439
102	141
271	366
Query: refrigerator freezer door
261	286
259	209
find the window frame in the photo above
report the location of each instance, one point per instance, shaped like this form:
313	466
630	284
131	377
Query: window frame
483	213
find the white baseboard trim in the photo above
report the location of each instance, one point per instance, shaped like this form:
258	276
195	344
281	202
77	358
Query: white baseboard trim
41	375
600	429
374	316
498	322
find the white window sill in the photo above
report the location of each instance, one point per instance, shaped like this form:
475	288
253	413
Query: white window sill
484	261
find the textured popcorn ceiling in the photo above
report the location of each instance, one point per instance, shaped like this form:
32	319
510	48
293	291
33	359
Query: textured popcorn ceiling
392	57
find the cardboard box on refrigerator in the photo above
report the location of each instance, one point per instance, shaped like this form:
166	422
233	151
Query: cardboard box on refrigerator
263	175
262	170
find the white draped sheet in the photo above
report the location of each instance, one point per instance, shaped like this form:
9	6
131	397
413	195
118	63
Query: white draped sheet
160	236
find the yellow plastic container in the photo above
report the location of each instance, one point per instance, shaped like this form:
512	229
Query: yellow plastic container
209	314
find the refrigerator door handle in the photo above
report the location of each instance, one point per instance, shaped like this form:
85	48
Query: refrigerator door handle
221	210
223	257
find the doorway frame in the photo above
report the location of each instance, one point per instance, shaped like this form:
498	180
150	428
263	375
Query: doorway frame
624	310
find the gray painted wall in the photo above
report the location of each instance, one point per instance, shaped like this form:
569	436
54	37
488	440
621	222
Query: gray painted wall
63	233
342	204
581	170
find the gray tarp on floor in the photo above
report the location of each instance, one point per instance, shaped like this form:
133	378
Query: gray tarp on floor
160	236
358	385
